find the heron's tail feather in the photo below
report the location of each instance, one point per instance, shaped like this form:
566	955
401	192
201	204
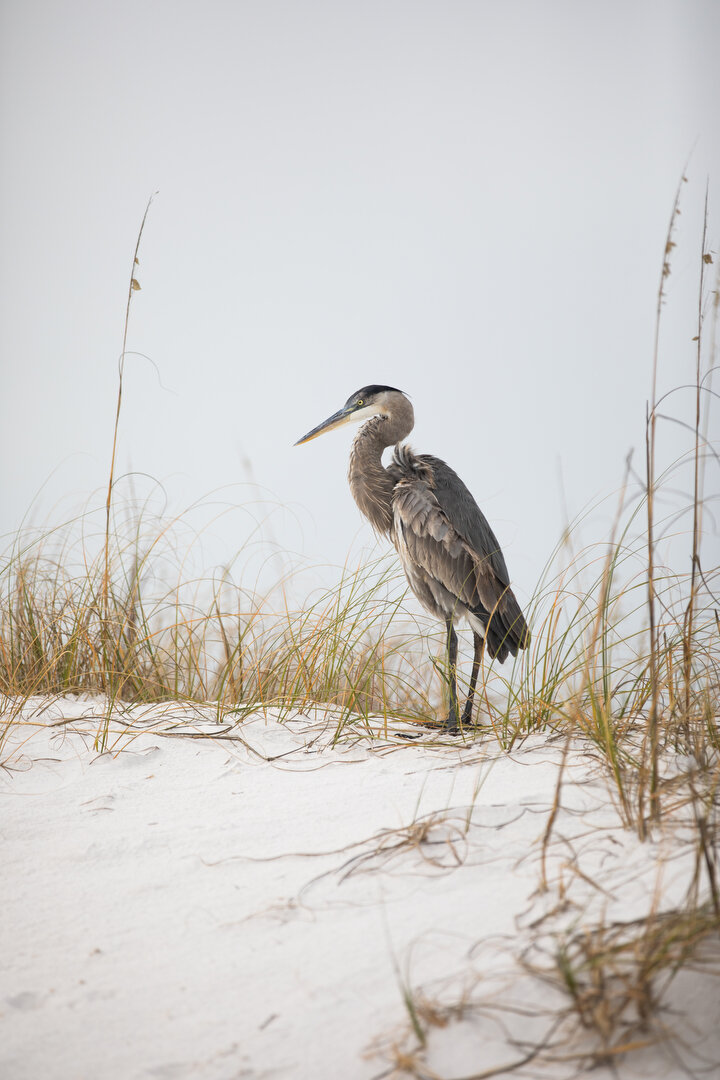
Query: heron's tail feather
505	628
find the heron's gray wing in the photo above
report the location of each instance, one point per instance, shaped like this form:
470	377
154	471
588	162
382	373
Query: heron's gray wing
467	518
429	543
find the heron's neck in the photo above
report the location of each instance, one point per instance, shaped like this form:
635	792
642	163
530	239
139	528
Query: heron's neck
370	482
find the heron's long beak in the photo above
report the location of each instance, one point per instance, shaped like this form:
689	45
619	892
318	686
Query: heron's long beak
342	416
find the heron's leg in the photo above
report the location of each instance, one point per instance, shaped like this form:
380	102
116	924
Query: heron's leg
479	642
451	722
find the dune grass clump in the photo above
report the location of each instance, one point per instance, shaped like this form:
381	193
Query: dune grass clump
617	975
626	649
126	624
589	670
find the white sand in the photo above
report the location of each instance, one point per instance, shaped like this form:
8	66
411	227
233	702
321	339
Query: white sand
247	907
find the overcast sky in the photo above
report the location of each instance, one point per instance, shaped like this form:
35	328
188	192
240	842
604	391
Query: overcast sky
467	200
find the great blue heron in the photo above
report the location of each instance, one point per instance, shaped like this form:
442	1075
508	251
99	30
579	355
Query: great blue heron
450	555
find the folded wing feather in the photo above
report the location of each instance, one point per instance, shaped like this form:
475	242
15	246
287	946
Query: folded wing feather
473	572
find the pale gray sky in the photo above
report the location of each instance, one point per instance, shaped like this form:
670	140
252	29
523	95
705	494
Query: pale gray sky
467	200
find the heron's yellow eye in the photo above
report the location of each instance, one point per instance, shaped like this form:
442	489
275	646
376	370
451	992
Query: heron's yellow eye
359	401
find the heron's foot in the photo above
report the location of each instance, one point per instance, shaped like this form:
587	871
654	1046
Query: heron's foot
443	727
450	724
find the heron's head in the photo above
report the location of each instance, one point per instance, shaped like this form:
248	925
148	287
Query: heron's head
370	401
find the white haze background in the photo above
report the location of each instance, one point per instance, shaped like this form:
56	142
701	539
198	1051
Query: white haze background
467	200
